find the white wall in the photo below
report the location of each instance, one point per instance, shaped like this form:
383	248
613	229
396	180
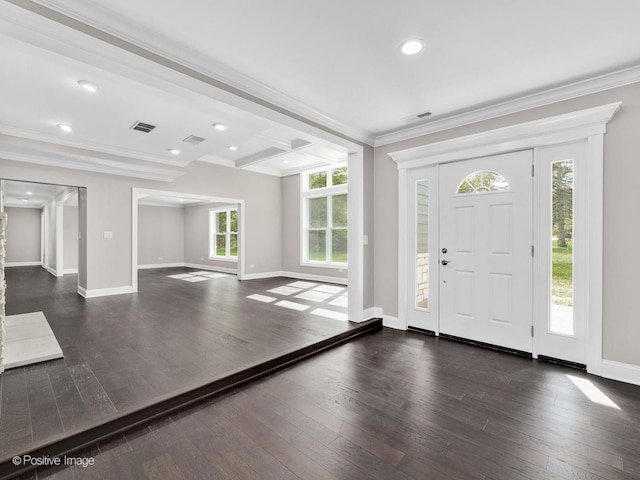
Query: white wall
160	235
23	235
621	224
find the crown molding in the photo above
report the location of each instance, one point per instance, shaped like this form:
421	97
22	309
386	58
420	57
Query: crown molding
547	131
230	79
85	163
95	147
547	97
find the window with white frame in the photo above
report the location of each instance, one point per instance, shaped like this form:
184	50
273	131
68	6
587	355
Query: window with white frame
223	233
324	217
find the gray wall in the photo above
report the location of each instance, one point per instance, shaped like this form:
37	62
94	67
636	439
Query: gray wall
108	208
196	238
621	229
70	237
291	232
23	234
161	234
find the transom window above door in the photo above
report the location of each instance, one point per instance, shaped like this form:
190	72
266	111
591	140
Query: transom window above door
483	181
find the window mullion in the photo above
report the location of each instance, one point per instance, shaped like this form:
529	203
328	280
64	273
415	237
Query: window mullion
228	236
329	233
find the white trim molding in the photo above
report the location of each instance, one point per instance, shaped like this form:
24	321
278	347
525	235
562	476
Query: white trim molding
52	271
373	312
393	322
23	264
574	90
297	276
316	278
623	372
104	292
212	268
160	265
537	133
70	271
589	124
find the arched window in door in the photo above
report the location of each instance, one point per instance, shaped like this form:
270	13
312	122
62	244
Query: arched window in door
483	181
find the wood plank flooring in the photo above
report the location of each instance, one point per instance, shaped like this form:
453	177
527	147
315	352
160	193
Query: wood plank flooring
126	350
390	405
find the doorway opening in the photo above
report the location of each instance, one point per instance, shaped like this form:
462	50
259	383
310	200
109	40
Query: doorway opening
173	229
47	227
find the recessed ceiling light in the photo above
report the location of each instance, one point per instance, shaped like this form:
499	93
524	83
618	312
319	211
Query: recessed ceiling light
174	151
24	199
29	193
411	47
219	126
233	148
88	86
285	161
64	127
182	200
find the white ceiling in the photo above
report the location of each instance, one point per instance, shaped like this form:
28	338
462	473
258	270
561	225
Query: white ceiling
334	62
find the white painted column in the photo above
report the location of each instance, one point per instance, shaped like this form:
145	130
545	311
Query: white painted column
3	285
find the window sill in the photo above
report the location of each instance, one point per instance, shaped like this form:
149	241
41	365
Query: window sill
333	266
224	259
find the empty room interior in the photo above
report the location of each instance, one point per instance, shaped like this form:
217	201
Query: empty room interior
322	240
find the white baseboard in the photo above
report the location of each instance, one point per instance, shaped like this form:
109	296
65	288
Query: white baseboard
52	271
315	278
23	264
373	312
70	270
393	322
105	292
623	372
258	276
160	265
212	268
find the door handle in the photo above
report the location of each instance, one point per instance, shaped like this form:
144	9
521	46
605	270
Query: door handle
445	262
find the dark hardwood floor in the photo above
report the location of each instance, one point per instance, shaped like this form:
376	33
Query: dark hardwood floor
390	405
122	351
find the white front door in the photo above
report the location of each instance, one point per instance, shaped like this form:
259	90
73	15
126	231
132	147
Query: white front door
486	238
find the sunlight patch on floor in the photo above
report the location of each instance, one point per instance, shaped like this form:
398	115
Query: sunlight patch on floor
592	392
293	305
261	298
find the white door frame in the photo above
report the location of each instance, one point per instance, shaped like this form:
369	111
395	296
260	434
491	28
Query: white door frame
589	124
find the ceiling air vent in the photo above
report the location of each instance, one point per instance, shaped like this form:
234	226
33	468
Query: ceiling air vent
194	140
143	127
